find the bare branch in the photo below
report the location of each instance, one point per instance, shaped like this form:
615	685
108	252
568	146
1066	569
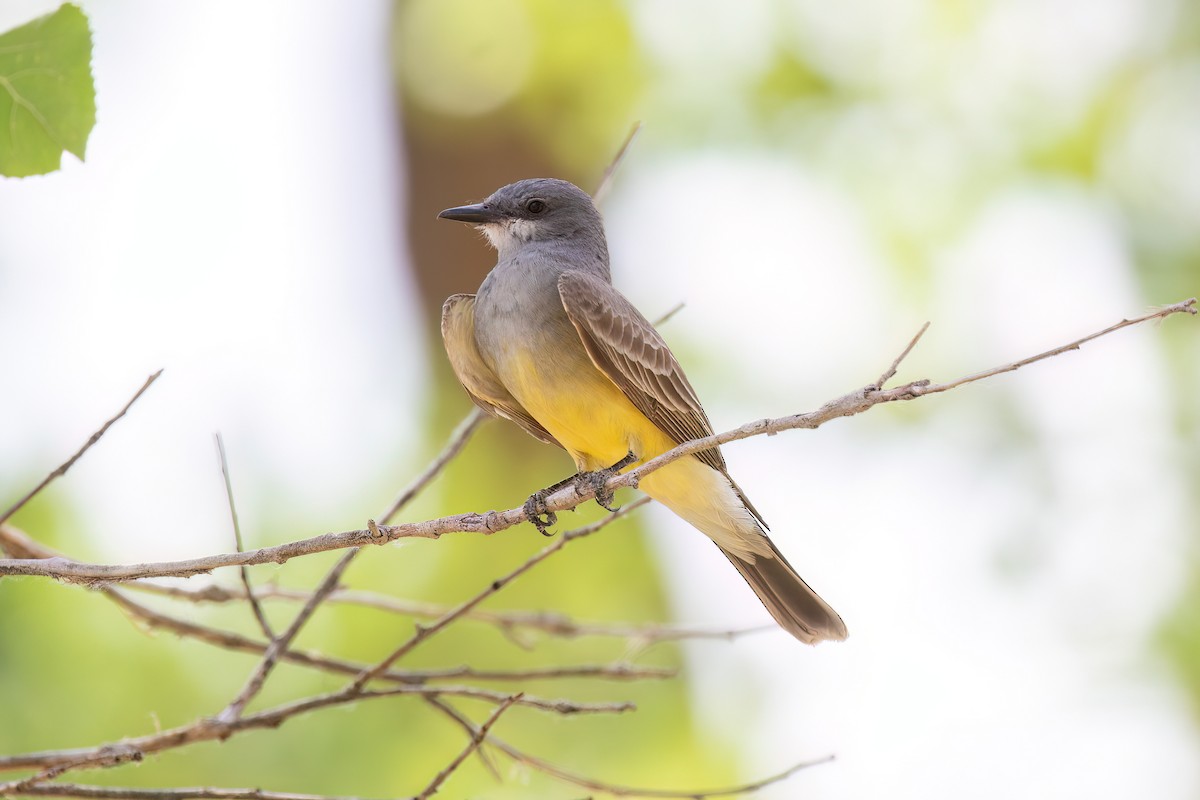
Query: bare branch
234	641
632	791
70	462
424	632
470	730
30	558
849	405
181	793
458	440
230	722
568	497
670	312
18	544
561	706
58	762
255	606
1185	307
13	541
280	645
548	622
606	179
472	745
21	784
613	672
211	728
615	789
891	371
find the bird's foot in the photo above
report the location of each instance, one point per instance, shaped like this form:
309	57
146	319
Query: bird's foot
597	479
535	507
541	517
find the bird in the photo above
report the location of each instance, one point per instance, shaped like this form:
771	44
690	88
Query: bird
548	343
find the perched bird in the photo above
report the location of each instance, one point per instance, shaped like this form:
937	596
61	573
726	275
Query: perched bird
549	344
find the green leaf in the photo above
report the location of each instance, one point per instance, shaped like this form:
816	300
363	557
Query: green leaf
47	98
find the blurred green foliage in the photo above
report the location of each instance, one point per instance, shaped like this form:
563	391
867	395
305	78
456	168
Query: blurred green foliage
48	100
561	75
1180	640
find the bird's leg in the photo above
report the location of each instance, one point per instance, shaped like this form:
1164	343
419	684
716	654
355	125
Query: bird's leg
542	517
597	479
535	507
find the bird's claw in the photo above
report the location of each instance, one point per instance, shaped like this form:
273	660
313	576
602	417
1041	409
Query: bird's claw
541	517
597	482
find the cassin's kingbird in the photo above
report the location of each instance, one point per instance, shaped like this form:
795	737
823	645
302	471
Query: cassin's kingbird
550	344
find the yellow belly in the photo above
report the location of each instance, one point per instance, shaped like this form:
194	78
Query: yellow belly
585	412
599	426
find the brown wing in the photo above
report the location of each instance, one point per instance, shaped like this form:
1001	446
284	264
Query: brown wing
626	348
482	385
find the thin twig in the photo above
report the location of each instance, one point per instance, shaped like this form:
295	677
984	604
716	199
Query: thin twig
470	730
672	311
612	788
13	540
891	371
1187	306
209	729
19	786
235	641
229	723
425	632
251	597
458	440
18	544
855	402
180	793
548	622
70	462
566	708
280	644
472	745
606	179
54	763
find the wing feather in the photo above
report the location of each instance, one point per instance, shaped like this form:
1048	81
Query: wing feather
482	385
626	348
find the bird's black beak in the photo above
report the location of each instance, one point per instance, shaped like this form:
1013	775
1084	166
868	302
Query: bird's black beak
479	214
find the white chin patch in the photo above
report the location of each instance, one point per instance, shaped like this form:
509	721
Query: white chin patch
509	232
493	233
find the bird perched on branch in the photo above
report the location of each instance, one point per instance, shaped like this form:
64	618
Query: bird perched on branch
549	344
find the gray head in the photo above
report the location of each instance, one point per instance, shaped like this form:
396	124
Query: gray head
534	210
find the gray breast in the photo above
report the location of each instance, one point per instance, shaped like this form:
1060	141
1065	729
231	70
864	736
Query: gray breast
518	308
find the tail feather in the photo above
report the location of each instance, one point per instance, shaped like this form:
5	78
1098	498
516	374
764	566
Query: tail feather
714	504
795	606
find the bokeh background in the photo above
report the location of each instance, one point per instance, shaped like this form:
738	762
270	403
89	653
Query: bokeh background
1016	560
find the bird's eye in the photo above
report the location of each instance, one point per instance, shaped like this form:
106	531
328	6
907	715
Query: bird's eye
535	206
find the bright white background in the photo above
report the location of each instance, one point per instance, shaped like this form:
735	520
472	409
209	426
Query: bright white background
239	226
